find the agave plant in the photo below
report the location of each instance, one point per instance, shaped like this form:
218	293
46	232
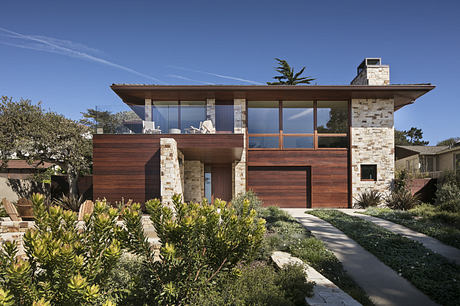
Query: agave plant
368	198
402	200
71	202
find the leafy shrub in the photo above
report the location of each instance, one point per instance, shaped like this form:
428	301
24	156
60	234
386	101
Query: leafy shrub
70	202
200	241
254	202
448	197
65	265
260	285
402	200
400	181
369	198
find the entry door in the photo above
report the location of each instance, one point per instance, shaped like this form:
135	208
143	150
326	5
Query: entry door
221	181
281	186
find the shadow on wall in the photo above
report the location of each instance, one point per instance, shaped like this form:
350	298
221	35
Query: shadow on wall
13	189
60	186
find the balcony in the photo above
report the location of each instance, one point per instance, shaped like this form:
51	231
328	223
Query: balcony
169	117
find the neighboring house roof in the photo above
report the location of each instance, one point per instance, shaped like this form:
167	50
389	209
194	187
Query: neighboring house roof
23	164
136	94
425	150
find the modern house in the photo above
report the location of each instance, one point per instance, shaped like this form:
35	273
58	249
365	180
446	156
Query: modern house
295	146
428	161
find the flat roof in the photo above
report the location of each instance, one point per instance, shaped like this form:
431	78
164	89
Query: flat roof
137	93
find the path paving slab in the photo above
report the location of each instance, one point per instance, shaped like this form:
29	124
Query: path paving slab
431	243
383	285
325	292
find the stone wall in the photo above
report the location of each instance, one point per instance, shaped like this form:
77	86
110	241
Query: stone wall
194	181
239	167
211	110
372	136
373	75
170	172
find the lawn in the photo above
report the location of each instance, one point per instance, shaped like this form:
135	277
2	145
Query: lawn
426	219
284	233
429	272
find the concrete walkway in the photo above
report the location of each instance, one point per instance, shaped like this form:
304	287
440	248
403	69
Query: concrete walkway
383	285
431	243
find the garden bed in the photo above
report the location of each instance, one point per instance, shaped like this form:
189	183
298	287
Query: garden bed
284	233
426	219
429	272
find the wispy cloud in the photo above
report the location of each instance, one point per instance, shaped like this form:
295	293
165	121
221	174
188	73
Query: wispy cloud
217	75
62	47
301	114
181	77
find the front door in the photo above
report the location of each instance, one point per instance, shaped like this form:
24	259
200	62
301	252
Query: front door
221	181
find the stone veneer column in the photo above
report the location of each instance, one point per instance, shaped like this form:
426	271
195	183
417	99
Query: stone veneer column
170	172
211	110
239	167
372	136
373	75
193	181
148	110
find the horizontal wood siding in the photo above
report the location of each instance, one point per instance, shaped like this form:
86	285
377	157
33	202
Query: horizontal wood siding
280	186
126	166
329	172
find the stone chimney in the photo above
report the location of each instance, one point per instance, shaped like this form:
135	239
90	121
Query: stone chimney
372	72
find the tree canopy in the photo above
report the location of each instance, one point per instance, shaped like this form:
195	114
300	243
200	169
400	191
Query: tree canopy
411	137
110	122
449	141
29	132
288	77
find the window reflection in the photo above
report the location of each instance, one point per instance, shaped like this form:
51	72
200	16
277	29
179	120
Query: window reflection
166	115
297	142
297	117
263	117
264	142
191	114
332	116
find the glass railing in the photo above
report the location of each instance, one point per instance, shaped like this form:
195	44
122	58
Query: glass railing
167	118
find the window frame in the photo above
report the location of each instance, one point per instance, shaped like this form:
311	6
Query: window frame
361	172
315	133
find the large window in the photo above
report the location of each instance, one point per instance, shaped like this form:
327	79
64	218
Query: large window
298	124
172	116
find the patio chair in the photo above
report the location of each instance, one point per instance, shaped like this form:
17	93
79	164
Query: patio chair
207	127
11	210
148	127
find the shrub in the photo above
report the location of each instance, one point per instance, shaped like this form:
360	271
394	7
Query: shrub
369	198
70	202
402	200
260	285
200	241
400	181
65	265
254	201
448	197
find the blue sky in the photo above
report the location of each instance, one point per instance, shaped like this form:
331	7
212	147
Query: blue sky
67	53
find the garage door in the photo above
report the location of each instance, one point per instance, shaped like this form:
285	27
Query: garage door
281	186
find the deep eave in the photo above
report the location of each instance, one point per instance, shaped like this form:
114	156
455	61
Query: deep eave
136	94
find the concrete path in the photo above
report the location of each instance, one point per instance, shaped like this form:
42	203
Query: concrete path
431	243
383	285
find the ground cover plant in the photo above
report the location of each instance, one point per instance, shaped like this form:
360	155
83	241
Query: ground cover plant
426	219
284	233
429	272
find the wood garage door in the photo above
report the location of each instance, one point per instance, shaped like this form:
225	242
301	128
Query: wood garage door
281	186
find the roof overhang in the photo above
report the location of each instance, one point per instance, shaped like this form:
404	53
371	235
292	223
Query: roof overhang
402	94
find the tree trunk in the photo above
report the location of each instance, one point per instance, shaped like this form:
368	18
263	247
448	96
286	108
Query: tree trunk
73	187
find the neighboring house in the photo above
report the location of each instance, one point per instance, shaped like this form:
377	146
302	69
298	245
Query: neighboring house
428	161
295	146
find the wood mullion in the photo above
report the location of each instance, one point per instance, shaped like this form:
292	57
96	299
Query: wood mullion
332	135
315	123
179	110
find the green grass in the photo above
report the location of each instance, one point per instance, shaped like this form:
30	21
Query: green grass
284	233
429	272
426	219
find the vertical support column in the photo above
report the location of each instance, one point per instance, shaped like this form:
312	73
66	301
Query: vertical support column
170	170
239	167
148	110
211	110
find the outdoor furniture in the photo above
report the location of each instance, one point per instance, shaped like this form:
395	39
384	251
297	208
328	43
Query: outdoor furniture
206	127
85	209
148	127
11	210
25	209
